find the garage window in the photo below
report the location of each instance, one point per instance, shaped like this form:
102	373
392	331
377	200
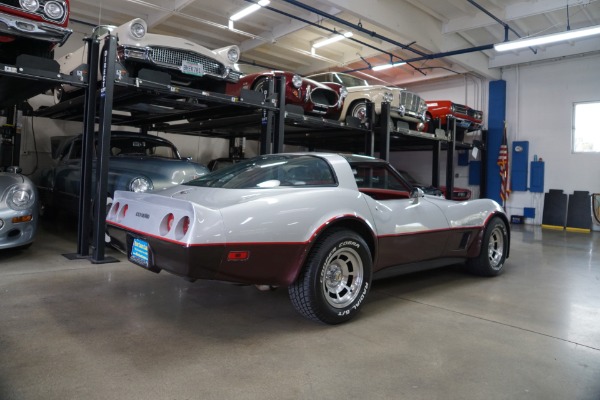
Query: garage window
586	131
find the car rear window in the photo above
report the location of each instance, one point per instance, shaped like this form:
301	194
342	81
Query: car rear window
270	172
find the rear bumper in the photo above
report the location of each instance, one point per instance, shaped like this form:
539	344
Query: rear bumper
268	263
28	28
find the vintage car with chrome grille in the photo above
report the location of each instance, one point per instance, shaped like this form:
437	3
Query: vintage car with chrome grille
188	64
138	163
404	105
440	112
314	97
322	225
18	210
32	27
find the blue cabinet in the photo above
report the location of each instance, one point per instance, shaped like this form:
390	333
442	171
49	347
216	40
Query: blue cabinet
536	183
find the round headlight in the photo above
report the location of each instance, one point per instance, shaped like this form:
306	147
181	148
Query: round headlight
233	54
20	198
140	184
54	10
30	5
138	30
388	97
297	81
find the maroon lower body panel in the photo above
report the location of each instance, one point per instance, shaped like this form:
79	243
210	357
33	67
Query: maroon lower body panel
264	263
415	247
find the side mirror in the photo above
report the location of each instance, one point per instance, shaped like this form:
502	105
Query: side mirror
416	194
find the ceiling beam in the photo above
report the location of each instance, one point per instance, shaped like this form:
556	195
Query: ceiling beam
510	13
159	17
284	29
400	16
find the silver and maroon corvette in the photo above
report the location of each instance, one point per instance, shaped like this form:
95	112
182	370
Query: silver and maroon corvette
323	225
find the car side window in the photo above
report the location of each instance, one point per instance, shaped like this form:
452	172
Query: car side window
377	177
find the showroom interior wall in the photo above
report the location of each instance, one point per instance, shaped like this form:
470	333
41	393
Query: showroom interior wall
539	109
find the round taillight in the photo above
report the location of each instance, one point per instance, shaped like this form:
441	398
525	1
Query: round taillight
185	225
166	224
124	210
182	228
170	219
114	208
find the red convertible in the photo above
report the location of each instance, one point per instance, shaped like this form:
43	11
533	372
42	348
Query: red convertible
314	97
32	27
438	111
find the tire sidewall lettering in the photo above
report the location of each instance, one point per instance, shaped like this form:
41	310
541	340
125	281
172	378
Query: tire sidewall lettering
354	307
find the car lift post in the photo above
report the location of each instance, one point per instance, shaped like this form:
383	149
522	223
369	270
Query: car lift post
87	144
266	129
450	161
435	170
384	131
370	136
108	62
279	133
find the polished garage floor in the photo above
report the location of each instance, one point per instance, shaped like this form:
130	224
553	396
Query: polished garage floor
75	330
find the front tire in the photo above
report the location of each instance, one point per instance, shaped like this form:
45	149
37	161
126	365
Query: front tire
494	249
335	280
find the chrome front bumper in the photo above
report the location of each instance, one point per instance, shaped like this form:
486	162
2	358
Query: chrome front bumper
23	27
172	58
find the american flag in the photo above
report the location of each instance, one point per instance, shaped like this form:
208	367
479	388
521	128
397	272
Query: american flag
503	164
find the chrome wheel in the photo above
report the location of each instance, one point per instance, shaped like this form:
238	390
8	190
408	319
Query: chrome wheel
342	277
496	248
336	278
493	251
359	111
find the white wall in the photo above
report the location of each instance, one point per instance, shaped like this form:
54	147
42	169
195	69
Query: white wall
540	101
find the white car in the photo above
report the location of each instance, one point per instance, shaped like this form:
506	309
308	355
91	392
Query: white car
404	105
323	225
188	63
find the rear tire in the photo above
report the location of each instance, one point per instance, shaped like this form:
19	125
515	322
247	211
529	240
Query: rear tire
335	280
494	248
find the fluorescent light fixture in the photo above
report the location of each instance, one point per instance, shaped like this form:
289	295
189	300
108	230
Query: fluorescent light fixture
332	39
249	10
387	66
547	39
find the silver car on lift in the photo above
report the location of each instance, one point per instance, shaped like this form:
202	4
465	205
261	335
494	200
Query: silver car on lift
18	210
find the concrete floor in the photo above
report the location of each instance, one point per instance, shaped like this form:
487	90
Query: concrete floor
75	330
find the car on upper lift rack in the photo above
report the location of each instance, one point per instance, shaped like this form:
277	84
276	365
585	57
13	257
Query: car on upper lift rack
314	97
444	114
187	63
32	27
407	108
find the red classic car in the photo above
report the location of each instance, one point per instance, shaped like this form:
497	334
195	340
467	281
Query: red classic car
438	111
32	27
312	96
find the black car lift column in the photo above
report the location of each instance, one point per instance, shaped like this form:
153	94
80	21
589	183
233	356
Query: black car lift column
84	223
107	90
98	205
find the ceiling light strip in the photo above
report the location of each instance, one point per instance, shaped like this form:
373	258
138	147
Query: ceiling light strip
548	39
